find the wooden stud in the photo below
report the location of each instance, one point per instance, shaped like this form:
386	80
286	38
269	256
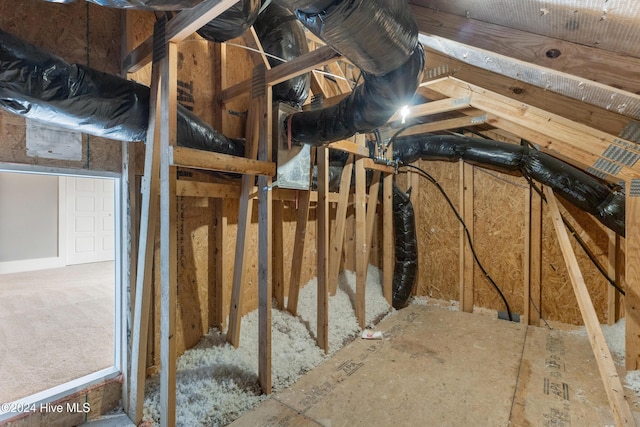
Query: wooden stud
278	252
613	306
265	202
182	26
337	238
251	39
147	234
466	256
378	167
221	260
434	107
168	237
372	206
300	65
612	385
472	120
322	224
569	139
632	275
208	160
581	61
349	147
298	244
388	241
533	259
245	210
341	81
361	253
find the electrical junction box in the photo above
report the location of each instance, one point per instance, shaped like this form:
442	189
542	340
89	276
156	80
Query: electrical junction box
293	165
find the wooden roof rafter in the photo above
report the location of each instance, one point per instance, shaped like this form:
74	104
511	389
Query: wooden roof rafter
182	26
595	151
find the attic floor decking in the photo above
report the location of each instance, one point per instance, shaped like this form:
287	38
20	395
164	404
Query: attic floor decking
437	367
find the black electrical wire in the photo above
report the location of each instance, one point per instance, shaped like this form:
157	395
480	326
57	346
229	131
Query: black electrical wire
431	179
581	242
401	130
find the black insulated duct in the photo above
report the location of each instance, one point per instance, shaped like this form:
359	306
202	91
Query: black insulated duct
232	22
572	184
381	38
43	87
405	270
282	35
139	4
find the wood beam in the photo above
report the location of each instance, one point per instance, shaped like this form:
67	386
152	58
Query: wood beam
533	259
322	225
566	84
573	109
466	255
182	26
349	147
337	238
388	241
600	152
361	252
147	237
372	206
613	302
208	160
433	107
221	261
258	92
612	385
277	263
584	62
265	215
233	191
459	122
298	243
632	275
168	237
300	65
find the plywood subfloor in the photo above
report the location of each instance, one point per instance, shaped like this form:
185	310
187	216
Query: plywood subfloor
437	367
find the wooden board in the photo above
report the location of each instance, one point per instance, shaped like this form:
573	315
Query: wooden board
441	367
438	232
499	238
90	36
101	399
558	301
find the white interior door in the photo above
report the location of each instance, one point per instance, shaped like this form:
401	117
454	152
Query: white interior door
90	220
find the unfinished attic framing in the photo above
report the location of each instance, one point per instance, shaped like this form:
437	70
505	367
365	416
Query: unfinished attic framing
211	238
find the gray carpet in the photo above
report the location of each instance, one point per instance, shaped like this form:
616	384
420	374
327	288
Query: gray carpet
55	326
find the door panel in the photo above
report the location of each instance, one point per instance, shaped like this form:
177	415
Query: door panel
90	220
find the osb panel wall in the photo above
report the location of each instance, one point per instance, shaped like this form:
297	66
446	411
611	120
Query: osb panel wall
79	33
558	299
499	227
438	232
500	202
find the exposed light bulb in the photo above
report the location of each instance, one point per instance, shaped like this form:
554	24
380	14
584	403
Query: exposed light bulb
404	112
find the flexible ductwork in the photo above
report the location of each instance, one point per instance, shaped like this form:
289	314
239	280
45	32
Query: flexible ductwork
406	248
282	36
140	4
232	22
43	87
575	186
381	38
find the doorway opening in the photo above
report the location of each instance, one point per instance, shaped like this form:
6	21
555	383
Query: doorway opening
60	283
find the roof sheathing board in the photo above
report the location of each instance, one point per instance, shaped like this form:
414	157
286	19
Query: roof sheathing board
606	24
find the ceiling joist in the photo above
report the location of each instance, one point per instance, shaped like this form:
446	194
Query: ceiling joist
600	153
182	26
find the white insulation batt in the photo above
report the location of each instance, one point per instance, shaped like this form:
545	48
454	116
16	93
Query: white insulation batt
216	383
